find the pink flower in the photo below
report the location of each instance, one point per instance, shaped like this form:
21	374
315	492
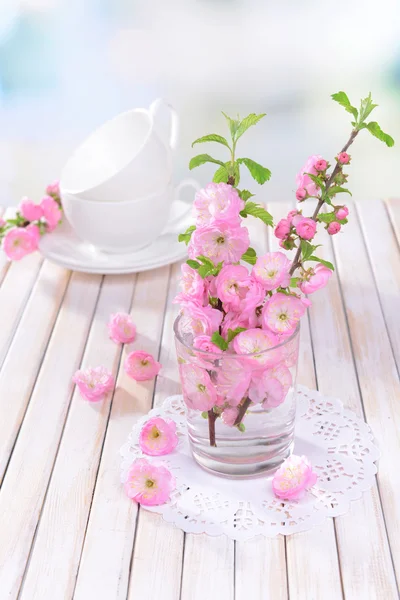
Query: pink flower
342	212
319	278
292	214
271	386
233	320
19	242
303	180
34	232
306	228
218	202
259	344
282	313
198	390
321	165
272	270
158	437
343	158
204	343
51	212
141	366
93	384
148	484
229	415
254	298
293	478
233	380
333	228
282	230
231	284
53	189
219	242
121	328
201	319
30	211
301	194
193	286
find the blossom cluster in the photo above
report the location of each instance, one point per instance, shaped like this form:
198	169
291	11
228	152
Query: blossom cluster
20	235
241	314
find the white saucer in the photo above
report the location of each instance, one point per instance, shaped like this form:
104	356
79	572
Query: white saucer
64	248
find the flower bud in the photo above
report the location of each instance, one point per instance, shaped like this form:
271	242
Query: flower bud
321	165
301	194
342	212
333	228
343	158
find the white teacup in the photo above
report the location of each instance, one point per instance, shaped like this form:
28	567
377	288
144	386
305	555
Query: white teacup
122	227
125	158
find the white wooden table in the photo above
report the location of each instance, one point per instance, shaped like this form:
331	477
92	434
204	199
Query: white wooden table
66	528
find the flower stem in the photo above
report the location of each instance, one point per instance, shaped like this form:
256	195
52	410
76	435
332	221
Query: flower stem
212	417
296	261
242	411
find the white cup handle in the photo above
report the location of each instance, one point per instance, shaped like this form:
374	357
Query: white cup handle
174	224
173	131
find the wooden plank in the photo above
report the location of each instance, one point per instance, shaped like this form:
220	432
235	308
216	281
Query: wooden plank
380	389
393	206
27	348
32	460
159	545
312	560
4	262
384	255
14	293
364	552
106	556
59	538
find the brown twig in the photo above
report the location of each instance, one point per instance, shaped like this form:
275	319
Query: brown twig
242	411
212	417
296	262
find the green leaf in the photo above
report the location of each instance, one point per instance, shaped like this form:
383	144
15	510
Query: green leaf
247	122
241	427
306	249
185	237
245	195
366	108
374	128
258	172
343	100
326	217
200	159
219	341
212	137
204	414
205	270
326	263
217	269
318	182
193	263
250	256
233	125
255	210
205	261
336	189
294	281
232	333
221	175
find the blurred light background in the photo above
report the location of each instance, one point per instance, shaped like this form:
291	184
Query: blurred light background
68	65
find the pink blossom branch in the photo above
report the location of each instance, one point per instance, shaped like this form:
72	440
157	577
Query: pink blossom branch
296	261
212	417
242	411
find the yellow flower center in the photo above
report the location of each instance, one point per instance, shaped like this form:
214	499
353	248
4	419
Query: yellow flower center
201	387
220	239
144	362
154	433
150	483
283	317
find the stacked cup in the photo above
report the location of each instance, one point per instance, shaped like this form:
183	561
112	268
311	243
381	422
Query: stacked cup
116	188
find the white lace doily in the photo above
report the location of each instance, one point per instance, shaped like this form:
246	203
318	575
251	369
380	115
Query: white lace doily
338	444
